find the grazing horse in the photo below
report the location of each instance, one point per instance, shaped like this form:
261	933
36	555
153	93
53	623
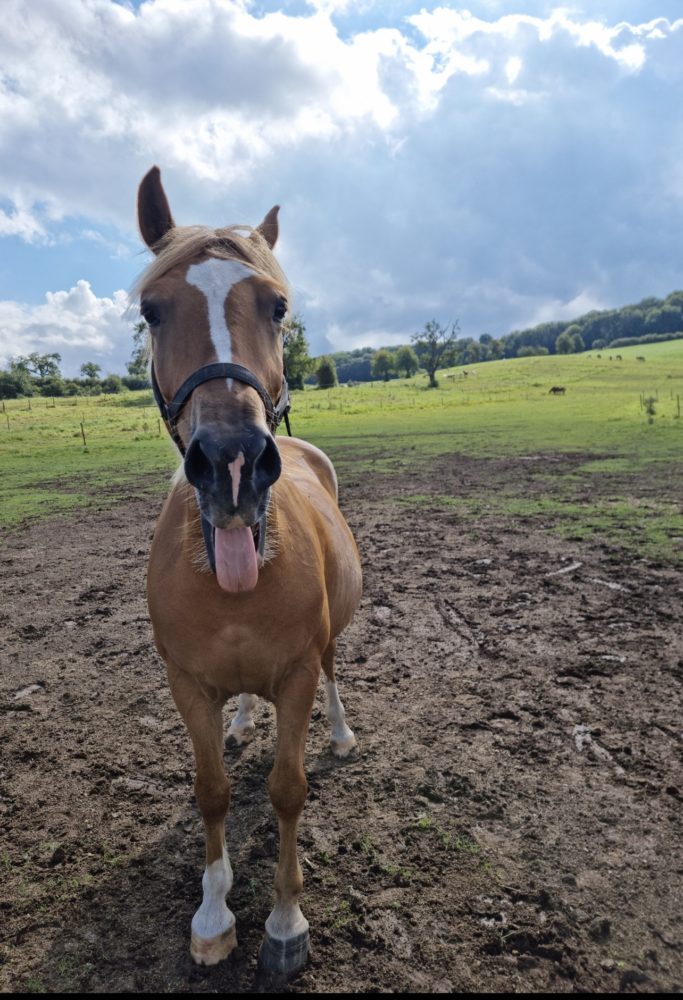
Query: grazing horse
557	390
253	571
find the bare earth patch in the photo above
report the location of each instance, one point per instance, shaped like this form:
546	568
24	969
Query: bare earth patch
510	821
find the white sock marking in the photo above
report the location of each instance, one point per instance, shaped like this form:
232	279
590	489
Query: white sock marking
213	917
341	737
242	726
215	278
286	921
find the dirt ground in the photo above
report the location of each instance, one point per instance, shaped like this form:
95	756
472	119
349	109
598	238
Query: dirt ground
510	821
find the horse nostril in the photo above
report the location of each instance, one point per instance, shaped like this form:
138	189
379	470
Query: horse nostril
223	464
268	465
199	468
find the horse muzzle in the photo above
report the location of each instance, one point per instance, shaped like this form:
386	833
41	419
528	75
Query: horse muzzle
232	472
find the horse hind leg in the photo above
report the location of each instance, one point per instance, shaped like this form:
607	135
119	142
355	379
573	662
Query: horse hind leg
243	726
342	739
213	925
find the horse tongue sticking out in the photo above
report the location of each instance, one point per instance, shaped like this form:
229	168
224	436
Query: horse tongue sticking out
236	565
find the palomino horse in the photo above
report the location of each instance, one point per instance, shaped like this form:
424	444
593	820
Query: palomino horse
253	571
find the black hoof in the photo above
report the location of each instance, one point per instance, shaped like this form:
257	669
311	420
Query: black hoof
283	958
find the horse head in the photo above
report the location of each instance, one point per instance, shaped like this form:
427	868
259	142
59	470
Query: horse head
215	302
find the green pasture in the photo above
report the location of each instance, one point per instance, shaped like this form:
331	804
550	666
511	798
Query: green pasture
498	409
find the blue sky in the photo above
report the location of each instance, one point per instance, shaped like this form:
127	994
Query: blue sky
500	163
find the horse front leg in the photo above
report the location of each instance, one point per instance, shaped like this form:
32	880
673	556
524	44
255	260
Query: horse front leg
285	944
213	925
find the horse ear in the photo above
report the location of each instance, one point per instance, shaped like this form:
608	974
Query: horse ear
154	214
269	228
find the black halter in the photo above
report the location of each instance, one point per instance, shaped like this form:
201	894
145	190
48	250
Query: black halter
170	412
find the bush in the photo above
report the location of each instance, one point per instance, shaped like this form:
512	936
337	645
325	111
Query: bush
112	384
14	384
136	382
326	373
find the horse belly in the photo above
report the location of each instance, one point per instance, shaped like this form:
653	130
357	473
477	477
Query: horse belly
343	579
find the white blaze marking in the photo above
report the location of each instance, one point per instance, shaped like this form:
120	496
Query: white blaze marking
213	917
215	278
234	470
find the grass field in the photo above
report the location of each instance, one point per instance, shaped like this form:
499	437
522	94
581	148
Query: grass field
499	409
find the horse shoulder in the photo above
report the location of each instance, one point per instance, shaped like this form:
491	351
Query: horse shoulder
301	456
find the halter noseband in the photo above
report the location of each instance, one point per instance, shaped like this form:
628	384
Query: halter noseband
170	412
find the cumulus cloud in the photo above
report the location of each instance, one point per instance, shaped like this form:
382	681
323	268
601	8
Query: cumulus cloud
75	323
438	163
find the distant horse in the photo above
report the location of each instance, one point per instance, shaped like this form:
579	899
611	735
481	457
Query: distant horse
640	358
253	571
557	390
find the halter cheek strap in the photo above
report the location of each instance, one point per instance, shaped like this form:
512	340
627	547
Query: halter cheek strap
170	412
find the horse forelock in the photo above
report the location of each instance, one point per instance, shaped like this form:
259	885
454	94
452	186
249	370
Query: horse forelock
183	244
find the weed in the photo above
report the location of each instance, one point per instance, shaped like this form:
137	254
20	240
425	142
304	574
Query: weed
35	986
451	841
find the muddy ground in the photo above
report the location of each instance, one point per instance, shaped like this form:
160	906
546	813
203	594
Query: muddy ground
511	820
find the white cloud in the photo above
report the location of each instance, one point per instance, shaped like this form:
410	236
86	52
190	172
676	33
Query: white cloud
22	223
442	164
513	68
556	309
75	323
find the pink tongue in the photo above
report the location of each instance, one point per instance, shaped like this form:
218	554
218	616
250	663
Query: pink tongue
236	566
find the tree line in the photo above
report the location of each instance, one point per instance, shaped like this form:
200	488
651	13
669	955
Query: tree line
39	374
647	321
436	346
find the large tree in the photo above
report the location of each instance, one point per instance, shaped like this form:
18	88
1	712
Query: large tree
138	364
90	371
564	343
39	365
434	346
298	362
406	360
382	365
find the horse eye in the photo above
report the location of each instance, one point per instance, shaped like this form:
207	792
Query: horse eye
280	311
150	314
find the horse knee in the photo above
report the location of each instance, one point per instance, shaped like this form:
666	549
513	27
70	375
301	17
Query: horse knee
288	793
213	798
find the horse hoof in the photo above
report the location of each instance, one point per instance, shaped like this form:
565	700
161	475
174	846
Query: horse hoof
241	734
343	747
210	951
283	957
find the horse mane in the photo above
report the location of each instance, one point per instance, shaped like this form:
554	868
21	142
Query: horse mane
182	244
